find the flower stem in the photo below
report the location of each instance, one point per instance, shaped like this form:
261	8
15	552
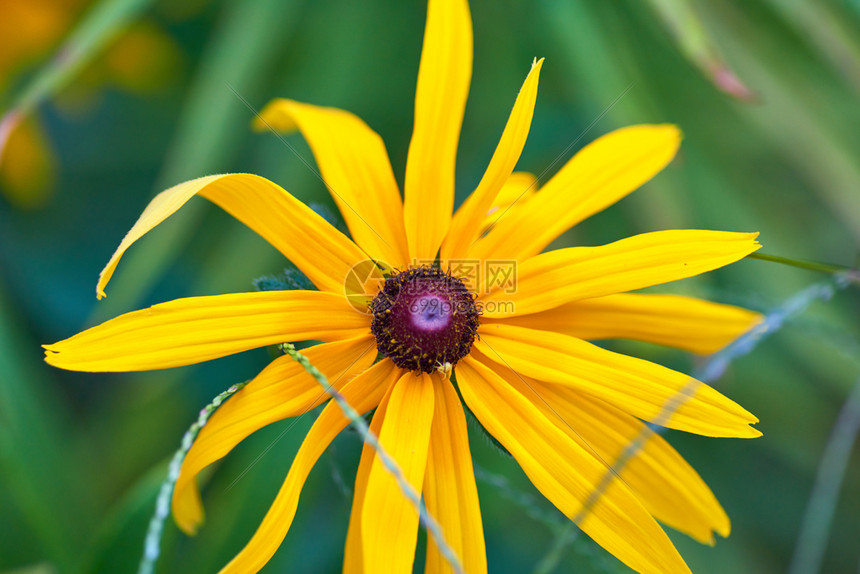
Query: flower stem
802	264
709	373
818	518
152	545
101	24
360	425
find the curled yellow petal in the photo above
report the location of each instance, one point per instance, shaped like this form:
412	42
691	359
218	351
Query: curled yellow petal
322	252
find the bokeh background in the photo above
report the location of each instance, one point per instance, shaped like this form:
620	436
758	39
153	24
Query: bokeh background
119	99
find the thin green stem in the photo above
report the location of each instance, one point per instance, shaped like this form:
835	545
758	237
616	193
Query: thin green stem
829	268
360	425
709	373
152	546
101	24
818	518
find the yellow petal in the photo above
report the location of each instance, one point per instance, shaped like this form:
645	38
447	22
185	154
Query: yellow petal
363	393
197	329
515	194
450	493
356	169
322	252
440	99
551	279
389	521
641	388
668	487
353	560
283	389
566	473
466	223
673	320
601	173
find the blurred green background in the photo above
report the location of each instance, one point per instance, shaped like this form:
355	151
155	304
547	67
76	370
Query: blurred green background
142	97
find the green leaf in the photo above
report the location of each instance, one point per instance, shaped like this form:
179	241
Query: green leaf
211	132
100	25
49	477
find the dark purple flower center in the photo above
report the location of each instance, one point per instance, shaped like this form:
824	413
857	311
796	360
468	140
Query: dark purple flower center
424	319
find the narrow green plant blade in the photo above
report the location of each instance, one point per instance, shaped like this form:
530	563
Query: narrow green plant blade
686	28
104	21
211	130
41	468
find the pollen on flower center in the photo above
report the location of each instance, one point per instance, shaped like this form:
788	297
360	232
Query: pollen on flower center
424	318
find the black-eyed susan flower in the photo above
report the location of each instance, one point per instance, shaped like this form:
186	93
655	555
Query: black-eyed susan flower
464	302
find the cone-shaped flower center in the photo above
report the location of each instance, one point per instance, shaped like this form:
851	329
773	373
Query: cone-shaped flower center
424	319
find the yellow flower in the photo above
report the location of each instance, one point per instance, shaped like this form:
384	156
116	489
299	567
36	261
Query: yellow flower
514	330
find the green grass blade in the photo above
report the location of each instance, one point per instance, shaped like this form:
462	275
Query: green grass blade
211	130
99	26
40	462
